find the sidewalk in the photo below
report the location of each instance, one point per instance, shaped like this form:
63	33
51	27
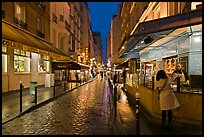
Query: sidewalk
11	100
126	118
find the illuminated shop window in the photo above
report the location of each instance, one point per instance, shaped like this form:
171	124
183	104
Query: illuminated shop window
43	63
4	59
21	61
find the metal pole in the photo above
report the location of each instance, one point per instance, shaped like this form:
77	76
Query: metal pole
35	94
21	89
137	113
153	83
178	84
54	90
115	100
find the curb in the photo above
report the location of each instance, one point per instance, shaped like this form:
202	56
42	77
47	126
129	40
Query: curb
43	103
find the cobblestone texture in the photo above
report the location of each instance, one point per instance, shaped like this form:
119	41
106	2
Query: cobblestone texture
84	111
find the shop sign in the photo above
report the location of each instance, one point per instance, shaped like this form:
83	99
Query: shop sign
15	45
11	44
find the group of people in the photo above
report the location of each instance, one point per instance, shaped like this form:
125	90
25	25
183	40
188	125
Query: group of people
168	100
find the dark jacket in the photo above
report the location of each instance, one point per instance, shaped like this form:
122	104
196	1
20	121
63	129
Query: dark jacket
114	78
180	72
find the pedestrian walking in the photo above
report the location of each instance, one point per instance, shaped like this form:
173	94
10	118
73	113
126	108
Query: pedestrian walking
114	78
168	100
101	74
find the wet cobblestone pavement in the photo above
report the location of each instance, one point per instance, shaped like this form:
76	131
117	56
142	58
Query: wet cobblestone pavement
84	111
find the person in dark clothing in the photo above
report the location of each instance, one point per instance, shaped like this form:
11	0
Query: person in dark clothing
179	72
101	74
114	78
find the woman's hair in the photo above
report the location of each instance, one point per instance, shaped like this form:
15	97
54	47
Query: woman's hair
161	75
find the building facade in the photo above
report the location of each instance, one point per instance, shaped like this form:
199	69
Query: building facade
56	31
163	34
115	35
26	49
108	51
98	47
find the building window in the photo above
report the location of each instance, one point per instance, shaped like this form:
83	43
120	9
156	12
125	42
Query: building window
196	5
4	59
43	63
40	28
20	16
21	61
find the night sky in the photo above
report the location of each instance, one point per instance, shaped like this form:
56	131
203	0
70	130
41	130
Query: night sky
101	14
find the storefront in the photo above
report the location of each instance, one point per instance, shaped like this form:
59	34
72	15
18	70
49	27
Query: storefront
184	49
25	57
180	42
70	71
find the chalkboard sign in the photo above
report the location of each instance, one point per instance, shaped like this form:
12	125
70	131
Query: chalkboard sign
196	81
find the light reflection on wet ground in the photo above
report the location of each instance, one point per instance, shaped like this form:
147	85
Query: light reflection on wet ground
80	112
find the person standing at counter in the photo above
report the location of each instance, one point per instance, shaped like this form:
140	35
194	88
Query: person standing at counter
179	72
167	99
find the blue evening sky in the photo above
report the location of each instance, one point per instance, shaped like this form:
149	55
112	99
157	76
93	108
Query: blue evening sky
101	14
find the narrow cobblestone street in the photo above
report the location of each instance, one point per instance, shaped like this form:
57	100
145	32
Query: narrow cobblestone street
84	111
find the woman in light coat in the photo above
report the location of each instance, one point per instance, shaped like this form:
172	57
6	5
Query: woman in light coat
167	98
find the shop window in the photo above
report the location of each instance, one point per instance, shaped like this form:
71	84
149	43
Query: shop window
4	49
43	63
4	59
21	63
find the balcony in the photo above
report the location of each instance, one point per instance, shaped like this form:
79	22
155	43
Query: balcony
41	5
40	34
20	23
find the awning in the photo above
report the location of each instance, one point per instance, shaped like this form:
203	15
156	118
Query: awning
123	65
150	31
71	65
15	37
131	54
83	66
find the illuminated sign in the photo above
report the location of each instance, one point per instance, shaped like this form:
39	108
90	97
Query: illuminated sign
12	44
